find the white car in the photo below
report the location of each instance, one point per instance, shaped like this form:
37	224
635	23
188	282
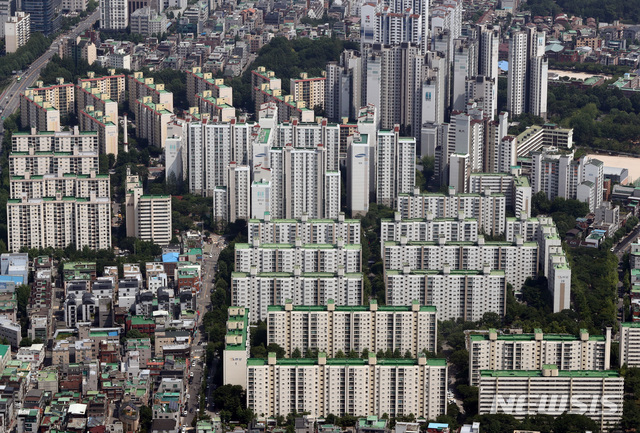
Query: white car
185	413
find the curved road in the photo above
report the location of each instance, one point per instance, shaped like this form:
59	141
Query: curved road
10	98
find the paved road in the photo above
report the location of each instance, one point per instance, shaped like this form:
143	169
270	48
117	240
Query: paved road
199	343
10	98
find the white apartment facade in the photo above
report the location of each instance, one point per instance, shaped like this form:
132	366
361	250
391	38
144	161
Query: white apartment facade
70	185
301	184
429	229
494	351
17	30
356	387
56	197
489	209
212	146
309	257
332	328
559	175
310	231
114	14
455	294
395	166
59	221
359	167
630	344
148	216
595	394
518	260
257	291
154	219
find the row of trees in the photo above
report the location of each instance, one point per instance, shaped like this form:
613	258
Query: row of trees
601	117
37	45
601	10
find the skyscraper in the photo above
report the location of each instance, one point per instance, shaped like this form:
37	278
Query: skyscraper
517	86
528	71
43	16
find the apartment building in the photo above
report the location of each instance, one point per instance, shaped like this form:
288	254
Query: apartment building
497	351
551	391
429	229
309	231
17	30
70	185
59	221
489	209
148	216
332	328
53	152
455	293
266	88
257	290
37	113
59	163
236	202
114	15
301	183
198	82
281	257
152	121
536	137
112	84
139	87
558	174
44	167
343	87
61	95
395	166
214	108
91	119
630	344
359	164
236	347
516	189
527	81
148	22
309	135
308	89
212	146
392	77
518	260
551	257
350	386
92	96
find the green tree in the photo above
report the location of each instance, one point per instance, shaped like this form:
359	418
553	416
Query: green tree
296	354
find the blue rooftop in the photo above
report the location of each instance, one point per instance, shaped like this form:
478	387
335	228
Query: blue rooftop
170	257
11	278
